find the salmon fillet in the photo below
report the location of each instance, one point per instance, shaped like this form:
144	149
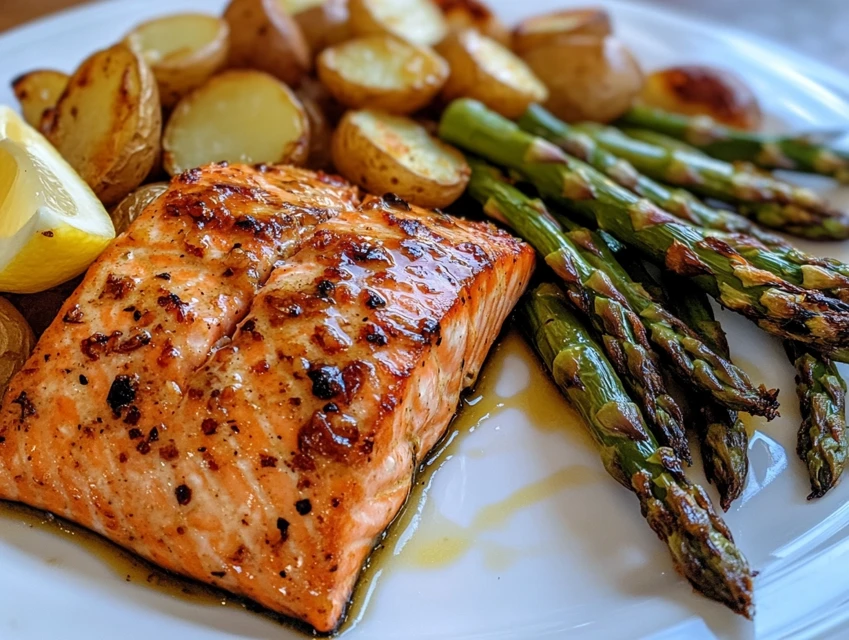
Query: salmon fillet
264	458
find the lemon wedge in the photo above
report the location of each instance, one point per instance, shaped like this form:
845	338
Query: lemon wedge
52	226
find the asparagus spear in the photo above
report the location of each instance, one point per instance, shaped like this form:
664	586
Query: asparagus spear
597	282
683	204
776	305
679	512
767	251
723	438
822	443
797	153
762	197
660	139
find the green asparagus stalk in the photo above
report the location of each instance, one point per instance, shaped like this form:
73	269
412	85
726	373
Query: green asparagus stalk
597	282
723	438
678	511
683	204
661	140
762	249
777	306
761	197
797	153
822	442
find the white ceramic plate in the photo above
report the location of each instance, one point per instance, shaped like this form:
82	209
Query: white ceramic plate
522	535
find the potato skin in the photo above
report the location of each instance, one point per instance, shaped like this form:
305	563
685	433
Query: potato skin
470	79
590	21
703	90
131	206
418	91
364	22
324	25
321	130
264	37
116	82
16	342
462	14
38	91
588	78
361	161
176	78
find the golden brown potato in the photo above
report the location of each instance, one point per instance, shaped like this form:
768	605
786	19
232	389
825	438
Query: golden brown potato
264	37
485	70
417	21
38	91
464	14
588	78
130	207
108	122
16	342
183	51
544	29
385	153
702	90
323	22
238	116
382	72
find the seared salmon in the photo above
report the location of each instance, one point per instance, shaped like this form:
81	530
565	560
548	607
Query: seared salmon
254	419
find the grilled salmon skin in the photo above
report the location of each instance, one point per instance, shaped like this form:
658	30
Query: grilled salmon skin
253	419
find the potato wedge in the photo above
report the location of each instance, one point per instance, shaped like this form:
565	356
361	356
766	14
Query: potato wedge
382	72
130	207
485	70
264	37
588	78
544	29
16	342
321	128
464	14
108	122
417	21
38	91
323	22
183	51
386	153
238	116
703	90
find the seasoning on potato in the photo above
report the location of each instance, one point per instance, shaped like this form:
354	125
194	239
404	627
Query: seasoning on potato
38	91
264	37
183	51
108	122
588	78
484	70
547	28
238	116
703	90
382	72
386	153
16	342
463	14
418	21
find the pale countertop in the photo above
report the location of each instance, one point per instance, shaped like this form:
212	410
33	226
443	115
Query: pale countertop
819	28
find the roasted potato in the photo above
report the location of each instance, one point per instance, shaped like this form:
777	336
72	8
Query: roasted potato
183	51
108	122
382	72
264	37
417	21
588	78
464	14
485	70
38	91
130	207
16	342
323	22
544	29
385	153
702	90
238	116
